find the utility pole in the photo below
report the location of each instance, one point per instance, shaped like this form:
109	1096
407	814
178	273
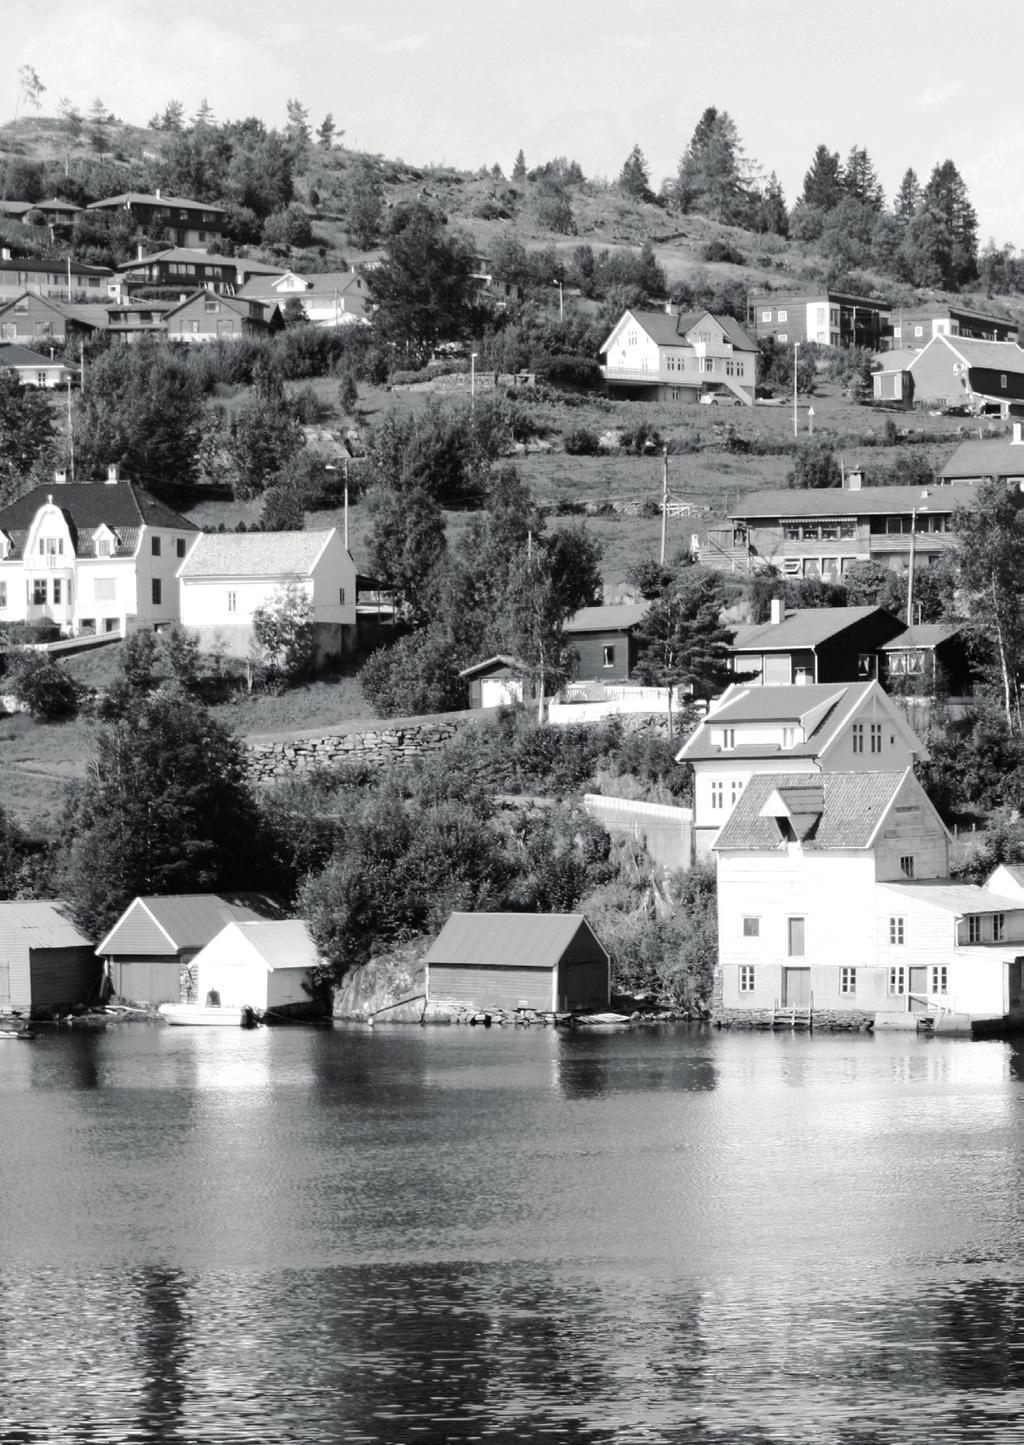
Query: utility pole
664	499
796	357
910	569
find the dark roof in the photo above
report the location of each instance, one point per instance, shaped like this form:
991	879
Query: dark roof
758	298
928	634
493	664
845	807
531	940
670	330
619	617
144	198
986	457
12	355
182	920
91	504
246	309
182	253
831	502
802	627
58	266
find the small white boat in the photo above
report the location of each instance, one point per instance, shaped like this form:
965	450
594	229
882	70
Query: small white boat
209	1015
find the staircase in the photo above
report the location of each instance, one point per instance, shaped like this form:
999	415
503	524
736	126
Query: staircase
793	1017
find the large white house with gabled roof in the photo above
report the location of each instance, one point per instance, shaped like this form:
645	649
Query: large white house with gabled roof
810	729
227	576
672	356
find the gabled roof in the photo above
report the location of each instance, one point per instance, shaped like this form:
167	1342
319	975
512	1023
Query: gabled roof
618	617
286	943
954	897
848	809
992	355
831	502
491	664
986	457
803	627
1015	870
167	923
667	329
145	198
88	505
926	635
13	355
248	310
531	940
186	254
253	554
42	924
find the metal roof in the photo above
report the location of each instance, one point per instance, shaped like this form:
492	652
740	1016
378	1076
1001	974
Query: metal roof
531	940
187	920
986	457
42	924
145	198
848	806
992	355
618	617
802	627
282	943
91	504
253	554
927	634
830	502
492	663
954	897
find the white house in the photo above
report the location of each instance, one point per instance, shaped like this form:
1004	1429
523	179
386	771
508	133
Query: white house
91	557
693	356
752	730
329	298
265	965
228	575
34	369
833	897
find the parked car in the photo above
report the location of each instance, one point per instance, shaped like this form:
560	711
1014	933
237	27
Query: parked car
719	398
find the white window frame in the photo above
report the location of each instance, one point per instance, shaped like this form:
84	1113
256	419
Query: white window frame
897	981
939	978
232	601
897	930
974	929
847	980
717	794
999	928
747	978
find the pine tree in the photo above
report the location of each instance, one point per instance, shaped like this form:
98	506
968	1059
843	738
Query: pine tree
298	122
713	177
325	132
946	197
772	214
519	167
908	196
859	180
172	116
635	177
204	115
823	183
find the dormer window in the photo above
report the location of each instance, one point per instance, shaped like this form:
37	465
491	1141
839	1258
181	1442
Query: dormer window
728	739
788	737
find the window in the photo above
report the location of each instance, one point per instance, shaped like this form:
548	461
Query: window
858	737
974	928
40	378
341	596
783	335
728	738
232	601
736	791
898	980
907	865
746	978
157	591
998	927
155	543
3	594
766	315
788	737
940	978
896	931
847	980
104	589
717	794
783	315
180	546
210	306
39	592
876	737
1002	380
103	547
608	656
57	591
795	947
751	927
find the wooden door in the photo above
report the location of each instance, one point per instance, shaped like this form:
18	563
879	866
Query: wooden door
1015	987
918	987
796	987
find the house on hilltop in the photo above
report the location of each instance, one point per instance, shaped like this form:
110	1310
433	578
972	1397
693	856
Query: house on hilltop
227	576
60	280
182	267
812	644
328	298
914	326
189	223
208	316
829	318
91	557
672	356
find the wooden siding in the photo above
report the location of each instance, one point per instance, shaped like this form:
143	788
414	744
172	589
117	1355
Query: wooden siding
61	977
138	936
147	980
589	648
487	987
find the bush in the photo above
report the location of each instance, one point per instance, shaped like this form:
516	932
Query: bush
43	687
721	251
579	371
581	442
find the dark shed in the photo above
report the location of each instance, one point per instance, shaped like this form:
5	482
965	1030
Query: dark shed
547	961
45	960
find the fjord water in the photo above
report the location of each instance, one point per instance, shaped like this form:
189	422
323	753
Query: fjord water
458	1234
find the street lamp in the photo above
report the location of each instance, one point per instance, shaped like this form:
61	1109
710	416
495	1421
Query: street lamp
561	306
472	374
796	357
810	420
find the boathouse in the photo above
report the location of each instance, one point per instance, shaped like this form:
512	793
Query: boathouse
46	962
263	964
545	961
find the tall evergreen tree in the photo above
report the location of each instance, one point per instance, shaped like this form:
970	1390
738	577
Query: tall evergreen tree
908	196
635	177
823	183
325	132
713	177
682	641
519	166
946	196
859	180
772	214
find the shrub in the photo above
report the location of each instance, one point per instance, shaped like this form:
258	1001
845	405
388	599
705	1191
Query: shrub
719	250
580	371
43	687
581	442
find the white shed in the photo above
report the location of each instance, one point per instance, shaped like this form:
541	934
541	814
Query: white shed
264	965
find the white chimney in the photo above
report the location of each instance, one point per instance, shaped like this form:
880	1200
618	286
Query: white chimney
113	474
157	194
60	477
778	610
1018	440
854	480
140	251
5	253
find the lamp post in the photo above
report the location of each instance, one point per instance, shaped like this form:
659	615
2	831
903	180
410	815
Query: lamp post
810	420
561	306
796	358
472	375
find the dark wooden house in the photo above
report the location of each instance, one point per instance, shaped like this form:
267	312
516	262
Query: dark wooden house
954	372
208	316
925	661
546	961
604	642
813	644
46	962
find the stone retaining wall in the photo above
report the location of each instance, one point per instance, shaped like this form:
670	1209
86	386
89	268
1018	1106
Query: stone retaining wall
386	742
827	1020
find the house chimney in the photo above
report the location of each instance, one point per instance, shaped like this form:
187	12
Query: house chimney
157	194
140	251
113	474
60	477
5	253
1018	440
854	479
673	308
778	610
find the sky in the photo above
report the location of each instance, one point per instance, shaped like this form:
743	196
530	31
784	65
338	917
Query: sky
468	83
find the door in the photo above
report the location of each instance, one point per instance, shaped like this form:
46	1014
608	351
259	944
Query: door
796	937
796	987
918	989
1015	987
